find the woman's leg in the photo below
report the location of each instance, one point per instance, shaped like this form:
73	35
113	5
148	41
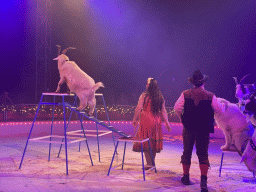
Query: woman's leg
148	157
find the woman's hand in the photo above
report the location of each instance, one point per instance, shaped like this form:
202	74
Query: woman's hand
135	124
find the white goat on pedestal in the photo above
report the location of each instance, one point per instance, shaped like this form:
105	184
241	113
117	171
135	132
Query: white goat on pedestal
77	81
234	125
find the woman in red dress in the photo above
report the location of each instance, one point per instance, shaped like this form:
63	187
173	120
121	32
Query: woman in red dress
149	113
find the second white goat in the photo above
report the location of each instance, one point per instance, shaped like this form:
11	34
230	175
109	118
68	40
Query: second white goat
234	125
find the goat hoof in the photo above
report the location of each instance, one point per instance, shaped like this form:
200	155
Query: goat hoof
224	148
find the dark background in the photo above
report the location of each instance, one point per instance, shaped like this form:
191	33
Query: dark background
123	42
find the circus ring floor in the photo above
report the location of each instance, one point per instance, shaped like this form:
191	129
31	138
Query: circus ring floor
39	174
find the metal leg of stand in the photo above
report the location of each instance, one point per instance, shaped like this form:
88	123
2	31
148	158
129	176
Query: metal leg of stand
75	104
79	146
50	144
141	141
108	119
142	161
65	133
98	142
64	138
113	158
82	128
124	155
67	127
81	122
38	107
86	140
97	129
221	162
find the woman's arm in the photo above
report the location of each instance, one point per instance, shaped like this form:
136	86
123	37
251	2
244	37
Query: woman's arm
138	110
165	117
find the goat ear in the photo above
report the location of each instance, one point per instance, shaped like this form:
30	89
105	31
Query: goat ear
57	58
242	80
235	78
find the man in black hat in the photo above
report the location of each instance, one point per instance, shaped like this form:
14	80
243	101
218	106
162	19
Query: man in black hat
196	109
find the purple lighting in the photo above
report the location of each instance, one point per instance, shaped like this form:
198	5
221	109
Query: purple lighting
122	43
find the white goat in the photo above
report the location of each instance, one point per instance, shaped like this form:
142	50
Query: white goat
234	126
77	81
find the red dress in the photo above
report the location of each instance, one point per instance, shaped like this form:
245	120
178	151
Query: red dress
150	126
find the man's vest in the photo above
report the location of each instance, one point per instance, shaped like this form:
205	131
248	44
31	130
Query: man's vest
198	114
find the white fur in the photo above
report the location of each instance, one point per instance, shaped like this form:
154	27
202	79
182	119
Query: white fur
78	82
234	126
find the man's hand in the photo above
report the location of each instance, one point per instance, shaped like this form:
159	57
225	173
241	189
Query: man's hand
135	125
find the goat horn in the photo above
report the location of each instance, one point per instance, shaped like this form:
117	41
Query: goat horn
235	80
252	97
242	80
59	49
65	50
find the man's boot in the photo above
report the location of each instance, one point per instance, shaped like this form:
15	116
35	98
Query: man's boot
203	184
185	180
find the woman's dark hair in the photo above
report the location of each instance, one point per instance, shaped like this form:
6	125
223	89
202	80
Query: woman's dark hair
155	96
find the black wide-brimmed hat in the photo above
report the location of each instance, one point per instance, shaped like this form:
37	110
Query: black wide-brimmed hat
198	78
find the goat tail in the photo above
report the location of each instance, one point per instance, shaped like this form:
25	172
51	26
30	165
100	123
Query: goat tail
97	86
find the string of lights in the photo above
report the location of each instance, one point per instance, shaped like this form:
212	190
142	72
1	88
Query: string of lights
26	112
